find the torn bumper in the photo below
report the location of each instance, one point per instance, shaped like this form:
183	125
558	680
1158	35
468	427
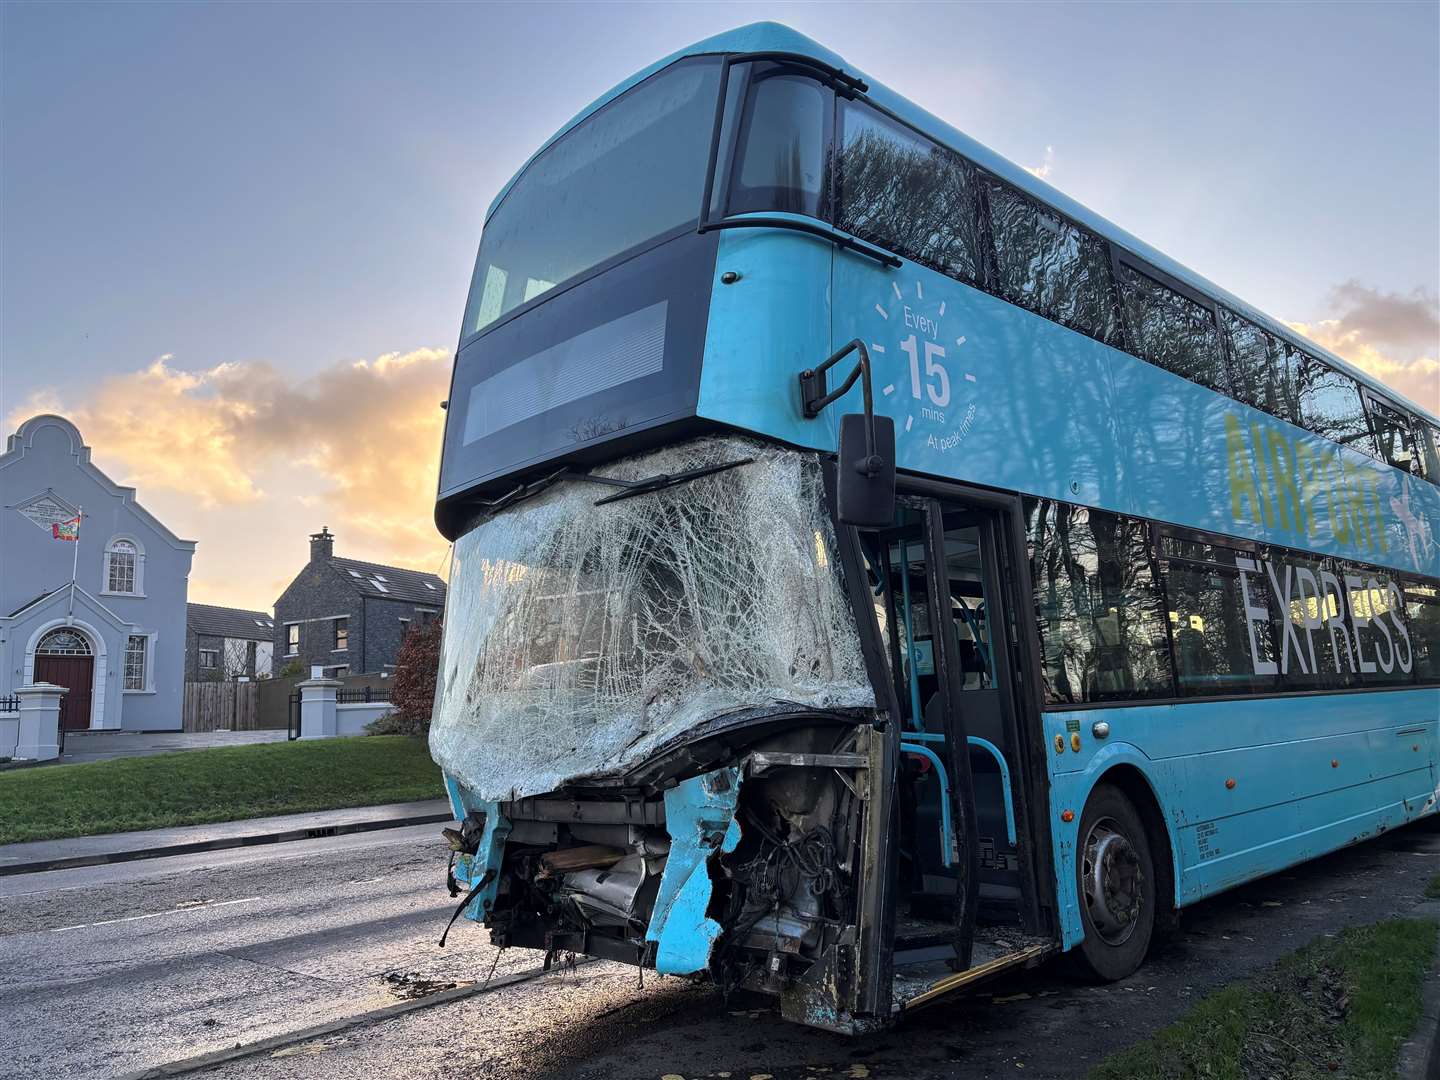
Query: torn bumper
679	935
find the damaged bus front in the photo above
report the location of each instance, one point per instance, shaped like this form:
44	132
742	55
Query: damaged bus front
657	728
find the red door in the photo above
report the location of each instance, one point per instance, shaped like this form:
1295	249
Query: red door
77	673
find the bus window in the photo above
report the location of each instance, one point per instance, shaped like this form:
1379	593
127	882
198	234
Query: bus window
1422	608
1378	626
626	174
1330	406
1261	372
1102	633
1224	627
1392	432
783	135
904	192
1046	264
1171	330
1314	648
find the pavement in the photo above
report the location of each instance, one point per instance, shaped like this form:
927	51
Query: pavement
176	957
82	746
125	845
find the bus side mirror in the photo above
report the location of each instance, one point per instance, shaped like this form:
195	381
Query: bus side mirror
865	480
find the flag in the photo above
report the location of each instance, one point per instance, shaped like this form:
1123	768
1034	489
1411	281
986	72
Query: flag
66	530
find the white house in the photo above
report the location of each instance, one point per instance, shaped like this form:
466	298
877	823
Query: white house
116	639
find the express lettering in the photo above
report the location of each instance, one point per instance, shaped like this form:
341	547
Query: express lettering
1345	613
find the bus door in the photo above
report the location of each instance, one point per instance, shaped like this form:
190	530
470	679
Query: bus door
965	899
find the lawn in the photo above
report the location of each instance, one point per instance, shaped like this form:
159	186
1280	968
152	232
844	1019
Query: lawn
200	786
1340	1007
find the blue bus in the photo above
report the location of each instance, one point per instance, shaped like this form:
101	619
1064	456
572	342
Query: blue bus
874	571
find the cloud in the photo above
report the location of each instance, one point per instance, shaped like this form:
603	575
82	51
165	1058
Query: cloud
1392	336
245	446
1046	166
1409	321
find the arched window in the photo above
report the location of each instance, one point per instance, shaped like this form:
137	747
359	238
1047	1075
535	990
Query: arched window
122	567
63	641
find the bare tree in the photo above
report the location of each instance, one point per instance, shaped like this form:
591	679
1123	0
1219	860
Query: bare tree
235	659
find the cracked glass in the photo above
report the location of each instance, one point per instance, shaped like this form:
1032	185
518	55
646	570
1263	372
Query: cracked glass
579	639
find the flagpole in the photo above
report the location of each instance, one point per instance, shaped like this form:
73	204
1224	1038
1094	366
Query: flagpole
75	562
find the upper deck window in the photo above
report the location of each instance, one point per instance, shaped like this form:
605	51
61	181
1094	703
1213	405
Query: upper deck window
913	196
1330	406
1392	431
1046	264
630	172
1171	330
783	136
1264	372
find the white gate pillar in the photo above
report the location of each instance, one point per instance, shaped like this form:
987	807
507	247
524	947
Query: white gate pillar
317	708
39	721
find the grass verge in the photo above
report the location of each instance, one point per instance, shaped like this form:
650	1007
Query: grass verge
225	784
1432	890
1340	1007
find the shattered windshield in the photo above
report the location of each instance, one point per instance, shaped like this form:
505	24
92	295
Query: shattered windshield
580	638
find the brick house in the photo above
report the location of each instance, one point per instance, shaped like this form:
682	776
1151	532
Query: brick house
227	643
348	616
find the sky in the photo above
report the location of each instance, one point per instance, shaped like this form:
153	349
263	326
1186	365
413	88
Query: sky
235	238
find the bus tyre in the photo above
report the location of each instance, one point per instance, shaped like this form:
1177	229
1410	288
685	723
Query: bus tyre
1116	885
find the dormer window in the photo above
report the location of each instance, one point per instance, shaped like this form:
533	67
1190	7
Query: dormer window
123	567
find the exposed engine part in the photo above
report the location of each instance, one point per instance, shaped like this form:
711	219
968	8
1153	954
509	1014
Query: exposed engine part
586	857
789	880
466	839
621	895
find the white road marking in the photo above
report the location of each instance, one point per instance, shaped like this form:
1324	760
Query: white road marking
896	287
889	389
908	421
153	914
882	312
960	340
942	307
969	377
876	348
919	290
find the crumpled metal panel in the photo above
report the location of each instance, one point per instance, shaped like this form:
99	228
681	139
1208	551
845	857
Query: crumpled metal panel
700	817
579	638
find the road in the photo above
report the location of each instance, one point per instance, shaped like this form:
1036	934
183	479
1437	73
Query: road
108	970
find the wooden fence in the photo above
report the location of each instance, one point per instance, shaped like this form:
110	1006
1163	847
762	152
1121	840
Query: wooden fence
221	706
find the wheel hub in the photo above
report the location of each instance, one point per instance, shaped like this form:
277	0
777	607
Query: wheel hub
1113	882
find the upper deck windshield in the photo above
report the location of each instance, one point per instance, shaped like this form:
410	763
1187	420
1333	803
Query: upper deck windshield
630	172
580	638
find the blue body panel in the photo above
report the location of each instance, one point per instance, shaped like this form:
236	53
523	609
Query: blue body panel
700	817
1311	774
469	870
1039	409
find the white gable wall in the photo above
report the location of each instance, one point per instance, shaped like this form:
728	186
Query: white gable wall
47	453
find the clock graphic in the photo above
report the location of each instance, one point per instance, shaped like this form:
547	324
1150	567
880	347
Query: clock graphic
921	356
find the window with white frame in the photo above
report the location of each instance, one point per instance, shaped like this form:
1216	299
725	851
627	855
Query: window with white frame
136	649
122	567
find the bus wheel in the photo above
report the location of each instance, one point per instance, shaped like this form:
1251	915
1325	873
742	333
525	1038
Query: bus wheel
1116	885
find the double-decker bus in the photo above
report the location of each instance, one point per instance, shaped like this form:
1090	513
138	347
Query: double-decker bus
874	571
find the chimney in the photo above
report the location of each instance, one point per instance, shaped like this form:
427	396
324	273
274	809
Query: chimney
322	544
